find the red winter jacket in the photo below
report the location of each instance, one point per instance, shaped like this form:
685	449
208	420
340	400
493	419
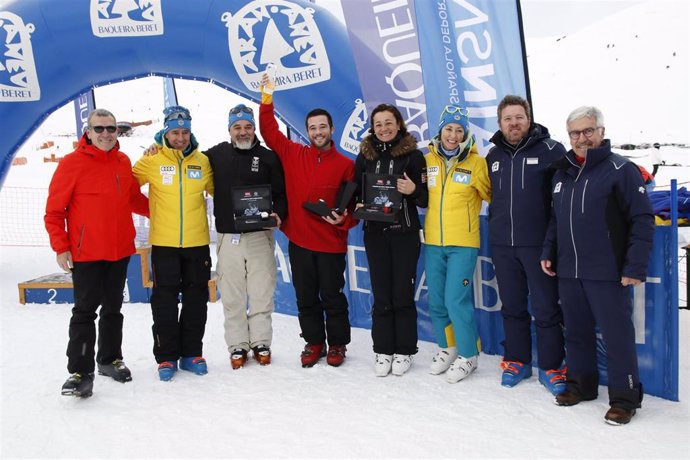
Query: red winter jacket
310	174
95	192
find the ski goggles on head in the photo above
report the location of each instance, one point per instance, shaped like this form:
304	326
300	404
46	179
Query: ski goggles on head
176	112
245	109
455	109
178	116
100	129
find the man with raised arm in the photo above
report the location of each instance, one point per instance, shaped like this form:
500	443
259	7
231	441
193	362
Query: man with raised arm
317	244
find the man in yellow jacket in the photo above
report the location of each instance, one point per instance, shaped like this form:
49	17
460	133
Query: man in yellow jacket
180	257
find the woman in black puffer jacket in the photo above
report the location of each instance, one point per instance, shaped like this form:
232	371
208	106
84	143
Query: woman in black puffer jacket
393	248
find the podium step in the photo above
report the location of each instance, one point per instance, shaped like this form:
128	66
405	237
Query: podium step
53	288
58	288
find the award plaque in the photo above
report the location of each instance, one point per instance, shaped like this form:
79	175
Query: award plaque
253	205
347	190
382	200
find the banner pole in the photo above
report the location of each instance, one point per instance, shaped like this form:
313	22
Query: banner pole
528	91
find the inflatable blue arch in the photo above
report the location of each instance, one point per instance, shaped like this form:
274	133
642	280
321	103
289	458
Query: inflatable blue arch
56	51
418	55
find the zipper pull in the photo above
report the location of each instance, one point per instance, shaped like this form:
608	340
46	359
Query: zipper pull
318	158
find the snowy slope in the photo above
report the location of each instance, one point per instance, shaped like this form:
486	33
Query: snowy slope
633	66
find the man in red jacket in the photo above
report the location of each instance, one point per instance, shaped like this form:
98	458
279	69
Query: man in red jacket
317	244
94	193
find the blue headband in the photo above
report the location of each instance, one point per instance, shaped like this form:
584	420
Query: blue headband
177	117
240	112
454	114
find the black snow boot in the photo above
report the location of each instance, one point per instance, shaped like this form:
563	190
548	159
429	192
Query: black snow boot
117	370
78	385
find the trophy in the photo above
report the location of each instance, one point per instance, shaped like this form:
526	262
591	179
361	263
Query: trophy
253	206
382	200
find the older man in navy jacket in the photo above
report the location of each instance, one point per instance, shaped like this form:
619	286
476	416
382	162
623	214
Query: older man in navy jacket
599	241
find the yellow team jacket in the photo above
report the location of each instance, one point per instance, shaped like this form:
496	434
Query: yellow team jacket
456	191
176	196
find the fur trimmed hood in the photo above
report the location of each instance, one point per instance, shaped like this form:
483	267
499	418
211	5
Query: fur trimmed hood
406	145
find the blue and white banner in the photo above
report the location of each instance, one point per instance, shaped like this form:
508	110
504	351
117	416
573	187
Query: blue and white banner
385	44
83	106
655	316
655	312
472	56
169	93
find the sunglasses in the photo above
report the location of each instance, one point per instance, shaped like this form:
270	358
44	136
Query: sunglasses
453	109
99	129
236	110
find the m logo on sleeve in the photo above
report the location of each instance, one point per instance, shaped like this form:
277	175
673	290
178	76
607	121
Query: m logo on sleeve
557	188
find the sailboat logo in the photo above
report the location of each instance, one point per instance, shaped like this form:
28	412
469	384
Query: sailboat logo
126	18
355	128
18	77
281	33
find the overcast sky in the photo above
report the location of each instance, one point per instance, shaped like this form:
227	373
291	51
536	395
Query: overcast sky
548	18
545	18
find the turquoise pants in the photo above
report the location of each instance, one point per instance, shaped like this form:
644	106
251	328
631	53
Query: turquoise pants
449	271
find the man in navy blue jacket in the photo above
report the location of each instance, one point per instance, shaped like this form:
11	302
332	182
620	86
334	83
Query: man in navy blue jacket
518	216
598	241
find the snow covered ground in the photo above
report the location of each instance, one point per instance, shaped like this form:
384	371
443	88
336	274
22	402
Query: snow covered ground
284	411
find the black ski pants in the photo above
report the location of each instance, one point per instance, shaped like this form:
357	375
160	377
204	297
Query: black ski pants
98	283
185	272
318	279
392	258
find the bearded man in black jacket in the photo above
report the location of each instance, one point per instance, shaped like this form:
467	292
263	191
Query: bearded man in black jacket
246	262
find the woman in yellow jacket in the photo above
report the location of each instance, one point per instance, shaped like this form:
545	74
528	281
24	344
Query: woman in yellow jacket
458	181
180	257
